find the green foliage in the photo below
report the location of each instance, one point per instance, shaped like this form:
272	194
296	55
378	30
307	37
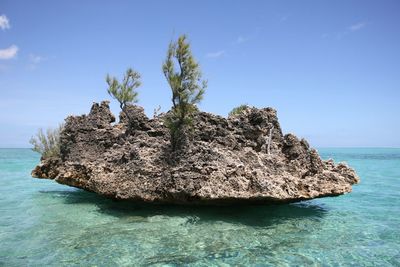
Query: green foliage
47	144
238	110
124	92
185	79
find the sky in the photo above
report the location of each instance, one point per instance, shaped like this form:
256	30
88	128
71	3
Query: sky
330	68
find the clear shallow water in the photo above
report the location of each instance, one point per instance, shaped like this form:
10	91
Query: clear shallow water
46	224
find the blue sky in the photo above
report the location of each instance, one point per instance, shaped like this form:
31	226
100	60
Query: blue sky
330	68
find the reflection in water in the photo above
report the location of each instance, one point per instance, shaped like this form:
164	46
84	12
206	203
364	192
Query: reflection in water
253	215
170	234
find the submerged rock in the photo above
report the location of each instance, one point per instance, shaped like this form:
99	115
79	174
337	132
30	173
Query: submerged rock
225	160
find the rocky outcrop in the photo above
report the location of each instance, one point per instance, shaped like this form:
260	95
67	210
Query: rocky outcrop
225	160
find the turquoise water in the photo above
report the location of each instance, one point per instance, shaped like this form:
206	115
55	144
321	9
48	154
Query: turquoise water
46	224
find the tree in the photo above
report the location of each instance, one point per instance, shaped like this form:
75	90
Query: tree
47	144
124	92
185	79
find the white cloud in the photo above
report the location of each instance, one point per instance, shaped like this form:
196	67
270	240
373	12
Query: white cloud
9	53
345	32
35	59
284	18
358	26
216	54
325	35
4	22
241	40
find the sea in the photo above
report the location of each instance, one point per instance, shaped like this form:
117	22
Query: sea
43	223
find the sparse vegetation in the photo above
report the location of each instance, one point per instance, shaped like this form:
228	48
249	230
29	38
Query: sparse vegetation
185	79
156	111
124	92
47	144
238	110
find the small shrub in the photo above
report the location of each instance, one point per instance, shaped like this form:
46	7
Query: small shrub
238	110
47	144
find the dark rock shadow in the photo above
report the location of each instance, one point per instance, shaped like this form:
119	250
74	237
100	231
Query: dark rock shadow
251	215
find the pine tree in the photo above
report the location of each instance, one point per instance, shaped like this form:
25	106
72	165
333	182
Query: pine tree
185	79
124	92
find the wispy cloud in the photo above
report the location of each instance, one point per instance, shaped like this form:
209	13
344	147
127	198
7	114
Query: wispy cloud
216	54
284	18
4	22
357	26
349	30
241	40
235	43
34	61
9	53
325	35
249	36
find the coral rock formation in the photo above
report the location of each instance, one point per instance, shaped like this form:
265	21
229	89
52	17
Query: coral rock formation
225	160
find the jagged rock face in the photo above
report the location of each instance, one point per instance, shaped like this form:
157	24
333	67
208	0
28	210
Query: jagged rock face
224	161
